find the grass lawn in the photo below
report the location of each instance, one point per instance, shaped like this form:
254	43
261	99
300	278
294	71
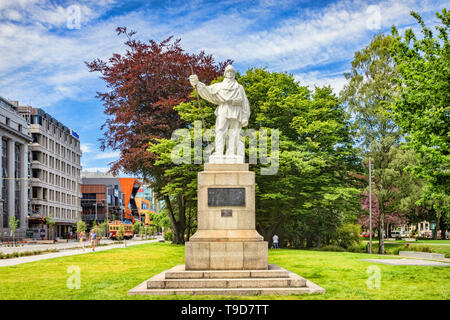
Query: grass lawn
392	247
110	274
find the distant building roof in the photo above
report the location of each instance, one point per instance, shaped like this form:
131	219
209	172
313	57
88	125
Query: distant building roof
96	174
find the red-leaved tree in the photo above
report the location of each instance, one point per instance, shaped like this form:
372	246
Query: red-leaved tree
144	84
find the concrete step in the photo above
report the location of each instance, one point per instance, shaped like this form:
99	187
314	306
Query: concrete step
179	272
226	292
260	284
226	283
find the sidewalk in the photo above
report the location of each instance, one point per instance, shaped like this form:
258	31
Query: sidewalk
59	246
65	253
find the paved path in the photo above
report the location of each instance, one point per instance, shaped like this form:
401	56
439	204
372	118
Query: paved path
69	252
420	243
409	262
39	247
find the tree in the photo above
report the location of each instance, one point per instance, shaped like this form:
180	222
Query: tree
120	233
311	194
144	85
13	224
368	94
348	235
422	106
50	223
396	191
136	227
102	229
81	226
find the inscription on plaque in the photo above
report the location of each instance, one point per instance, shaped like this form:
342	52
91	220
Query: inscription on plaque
227	213
218	197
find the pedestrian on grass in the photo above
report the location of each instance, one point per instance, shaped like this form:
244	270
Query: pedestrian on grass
93	238
275	242
446	234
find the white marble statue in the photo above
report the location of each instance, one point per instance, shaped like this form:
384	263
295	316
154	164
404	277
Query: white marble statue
232	114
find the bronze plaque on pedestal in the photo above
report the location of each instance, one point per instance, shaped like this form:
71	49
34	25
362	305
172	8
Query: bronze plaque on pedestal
219	197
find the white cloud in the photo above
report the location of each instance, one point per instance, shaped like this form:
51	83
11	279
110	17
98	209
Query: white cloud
313	38
96	169
337	81
107	155
86	147
42	67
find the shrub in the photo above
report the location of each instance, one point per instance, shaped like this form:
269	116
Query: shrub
348	235
357	249
168	236
332	248
420	249
411	248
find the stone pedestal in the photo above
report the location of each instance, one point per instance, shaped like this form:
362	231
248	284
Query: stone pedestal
226	238
226	256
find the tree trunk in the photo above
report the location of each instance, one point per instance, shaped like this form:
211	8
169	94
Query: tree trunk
437	228
178	235
319	240
269	232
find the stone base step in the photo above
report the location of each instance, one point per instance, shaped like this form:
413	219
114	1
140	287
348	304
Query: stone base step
226	283
179	272
226	292
208	282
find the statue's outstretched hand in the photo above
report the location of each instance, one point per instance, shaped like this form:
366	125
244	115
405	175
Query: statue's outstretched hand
193	79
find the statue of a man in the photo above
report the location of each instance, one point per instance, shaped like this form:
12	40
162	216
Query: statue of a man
232	112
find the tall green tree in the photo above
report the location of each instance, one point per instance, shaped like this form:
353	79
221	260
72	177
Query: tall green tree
368	94
311	193
143	86
13	224
422	105
50	223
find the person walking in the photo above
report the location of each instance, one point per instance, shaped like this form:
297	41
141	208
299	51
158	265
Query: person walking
93	238
275	242
82	239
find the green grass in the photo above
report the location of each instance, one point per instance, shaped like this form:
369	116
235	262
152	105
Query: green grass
392	247
110	274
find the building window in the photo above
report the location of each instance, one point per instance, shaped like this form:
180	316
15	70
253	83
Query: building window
35	137
18	182
4	183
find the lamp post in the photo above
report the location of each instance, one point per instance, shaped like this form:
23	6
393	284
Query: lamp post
370	206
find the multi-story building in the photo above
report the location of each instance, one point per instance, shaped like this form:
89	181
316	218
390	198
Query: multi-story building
106	197
146	192
14	139
102	198
55	172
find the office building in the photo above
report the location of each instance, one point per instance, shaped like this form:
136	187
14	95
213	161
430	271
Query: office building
14	139
55	172
105	197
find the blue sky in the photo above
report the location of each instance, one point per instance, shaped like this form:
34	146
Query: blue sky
43	48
